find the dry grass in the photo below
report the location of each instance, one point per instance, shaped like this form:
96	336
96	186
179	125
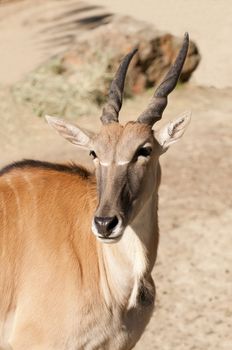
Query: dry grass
51	89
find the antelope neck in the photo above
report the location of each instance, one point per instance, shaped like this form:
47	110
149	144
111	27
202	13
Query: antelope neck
128	262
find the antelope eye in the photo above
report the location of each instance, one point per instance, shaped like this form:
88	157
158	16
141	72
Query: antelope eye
93	154
144	152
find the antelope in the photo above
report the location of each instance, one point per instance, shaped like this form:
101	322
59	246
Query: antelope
76	254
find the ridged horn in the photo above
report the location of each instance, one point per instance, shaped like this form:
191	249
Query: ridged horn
111	109
159	101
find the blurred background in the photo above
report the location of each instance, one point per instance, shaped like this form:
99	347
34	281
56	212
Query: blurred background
58	57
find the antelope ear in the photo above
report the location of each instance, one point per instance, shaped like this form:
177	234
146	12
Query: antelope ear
173	131
69	131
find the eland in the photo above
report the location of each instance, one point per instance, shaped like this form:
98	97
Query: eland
77	249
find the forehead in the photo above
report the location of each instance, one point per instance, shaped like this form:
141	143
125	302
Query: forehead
120	142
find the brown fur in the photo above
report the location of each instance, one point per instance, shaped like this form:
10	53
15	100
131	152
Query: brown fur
47	247
61	288
43	245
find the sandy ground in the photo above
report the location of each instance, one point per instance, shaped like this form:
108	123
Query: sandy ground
193	273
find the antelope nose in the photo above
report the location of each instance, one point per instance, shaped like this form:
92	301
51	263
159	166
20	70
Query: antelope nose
105	224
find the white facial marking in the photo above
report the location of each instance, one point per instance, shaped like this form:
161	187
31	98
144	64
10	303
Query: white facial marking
123	162
120	162
104	163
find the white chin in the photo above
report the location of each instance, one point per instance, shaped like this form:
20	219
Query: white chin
109	240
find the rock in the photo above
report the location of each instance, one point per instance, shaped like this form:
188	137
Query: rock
77	82
110	42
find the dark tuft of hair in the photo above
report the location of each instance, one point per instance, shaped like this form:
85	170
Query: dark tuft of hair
30	163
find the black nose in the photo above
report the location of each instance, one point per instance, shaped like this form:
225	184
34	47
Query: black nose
105	224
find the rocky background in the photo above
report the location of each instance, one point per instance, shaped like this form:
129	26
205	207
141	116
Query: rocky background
77	80
58	57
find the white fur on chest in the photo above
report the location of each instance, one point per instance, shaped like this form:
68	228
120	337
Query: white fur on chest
125	264
137	253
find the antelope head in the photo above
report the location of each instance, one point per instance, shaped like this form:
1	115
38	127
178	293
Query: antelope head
126	157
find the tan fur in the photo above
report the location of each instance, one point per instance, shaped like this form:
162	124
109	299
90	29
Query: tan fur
60	288
51	264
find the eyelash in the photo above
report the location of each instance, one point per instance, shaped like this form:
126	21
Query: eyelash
93	154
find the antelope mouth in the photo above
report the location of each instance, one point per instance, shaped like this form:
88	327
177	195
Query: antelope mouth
109	240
